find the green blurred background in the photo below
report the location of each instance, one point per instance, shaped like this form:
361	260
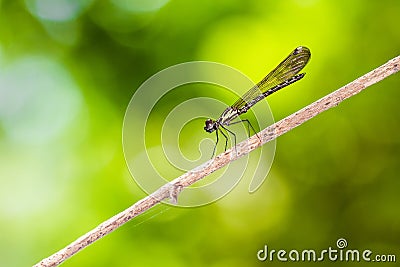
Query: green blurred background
69	68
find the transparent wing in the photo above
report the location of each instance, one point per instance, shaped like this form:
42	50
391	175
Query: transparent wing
289	67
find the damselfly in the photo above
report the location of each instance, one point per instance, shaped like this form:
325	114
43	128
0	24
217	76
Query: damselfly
284	74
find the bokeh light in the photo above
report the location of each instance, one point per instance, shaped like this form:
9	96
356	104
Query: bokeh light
27	119
60	10
140	5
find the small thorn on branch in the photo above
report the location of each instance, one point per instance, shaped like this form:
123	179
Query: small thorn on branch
174	190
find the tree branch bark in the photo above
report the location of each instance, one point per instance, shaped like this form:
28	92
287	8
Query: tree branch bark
172	189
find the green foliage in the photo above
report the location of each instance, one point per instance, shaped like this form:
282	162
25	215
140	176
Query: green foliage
69	68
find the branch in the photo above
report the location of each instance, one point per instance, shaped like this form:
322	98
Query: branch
172	189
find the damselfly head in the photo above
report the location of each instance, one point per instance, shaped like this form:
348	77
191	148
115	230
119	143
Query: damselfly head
210	126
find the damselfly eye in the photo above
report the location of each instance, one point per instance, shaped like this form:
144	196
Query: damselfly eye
209	126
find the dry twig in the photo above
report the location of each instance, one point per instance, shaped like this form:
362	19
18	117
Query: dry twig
172	189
